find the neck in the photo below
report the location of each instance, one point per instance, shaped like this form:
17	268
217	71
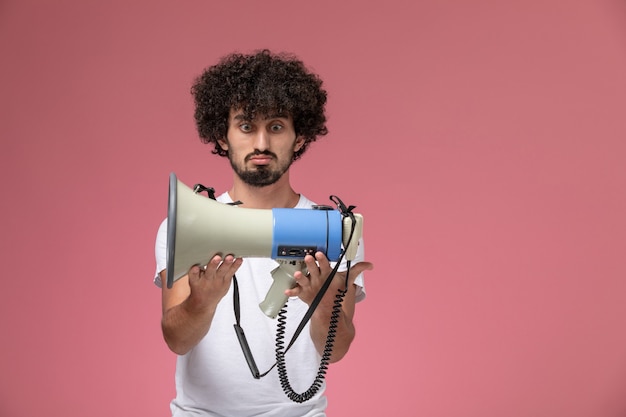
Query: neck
278	195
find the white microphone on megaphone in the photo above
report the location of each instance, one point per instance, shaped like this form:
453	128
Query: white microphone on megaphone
198	228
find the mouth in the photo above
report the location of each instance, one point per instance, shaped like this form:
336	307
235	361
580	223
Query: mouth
260	159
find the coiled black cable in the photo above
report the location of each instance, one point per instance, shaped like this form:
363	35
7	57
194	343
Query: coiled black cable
282	324
324	362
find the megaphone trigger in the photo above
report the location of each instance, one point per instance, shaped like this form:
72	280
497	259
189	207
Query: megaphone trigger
283	279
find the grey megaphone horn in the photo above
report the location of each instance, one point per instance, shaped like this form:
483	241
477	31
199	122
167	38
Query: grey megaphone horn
198	228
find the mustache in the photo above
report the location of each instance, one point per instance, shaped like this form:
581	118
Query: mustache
257	153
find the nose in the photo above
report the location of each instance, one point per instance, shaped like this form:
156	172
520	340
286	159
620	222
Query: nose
261	141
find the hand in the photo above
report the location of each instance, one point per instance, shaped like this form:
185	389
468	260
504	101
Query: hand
318	271
209	285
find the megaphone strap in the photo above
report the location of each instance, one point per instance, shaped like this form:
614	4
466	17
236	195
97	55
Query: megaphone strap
241	336
345	210
198	188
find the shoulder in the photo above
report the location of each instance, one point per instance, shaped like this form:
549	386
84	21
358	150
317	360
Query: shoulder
224	198
304	202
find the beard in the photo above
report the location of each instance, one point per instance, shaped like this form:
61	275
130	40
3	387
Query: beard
260	176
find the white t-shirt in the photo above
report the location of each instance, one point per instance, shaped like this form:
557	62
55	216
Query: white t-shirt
213	379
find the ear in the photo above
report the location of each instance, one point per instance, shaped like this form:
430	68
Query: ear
223	144
299	143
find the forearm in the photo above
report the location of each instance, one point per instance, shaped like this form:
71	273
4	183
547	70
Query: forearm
344	331
307	288
190	304
184	326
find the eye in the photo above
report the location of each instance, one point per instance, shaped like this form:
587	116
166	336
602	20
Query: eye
245	127
276	127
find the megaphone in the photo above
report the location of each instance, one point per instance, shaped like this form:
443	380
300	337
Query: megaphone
198	228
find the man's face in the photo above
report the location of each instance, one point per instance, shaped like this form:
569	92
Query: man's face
260	150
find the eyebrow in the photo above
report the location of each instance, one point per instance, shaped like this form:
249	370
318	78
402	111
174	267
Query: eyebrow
242	117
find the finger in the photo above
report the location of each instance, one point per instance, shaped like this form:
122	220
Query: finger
301	274
358	268
311	266
194	272
302	280
230	265
320	256
323	262
293	292
215	261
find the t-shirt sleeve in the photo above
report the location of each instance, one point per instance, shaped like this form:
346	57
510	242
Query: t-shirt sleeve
160	252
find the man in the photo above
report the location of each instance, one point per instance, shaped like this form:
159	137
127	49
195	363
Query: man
261	111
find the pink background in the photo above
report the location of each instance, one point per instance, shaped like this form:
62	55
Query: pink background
483	142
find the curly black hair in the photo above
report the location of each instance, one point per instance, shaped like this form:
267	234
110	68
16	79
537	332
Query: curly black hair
262	83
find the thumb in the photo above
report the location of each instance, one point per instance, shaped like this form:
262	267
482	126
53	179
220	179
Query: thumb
356	269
